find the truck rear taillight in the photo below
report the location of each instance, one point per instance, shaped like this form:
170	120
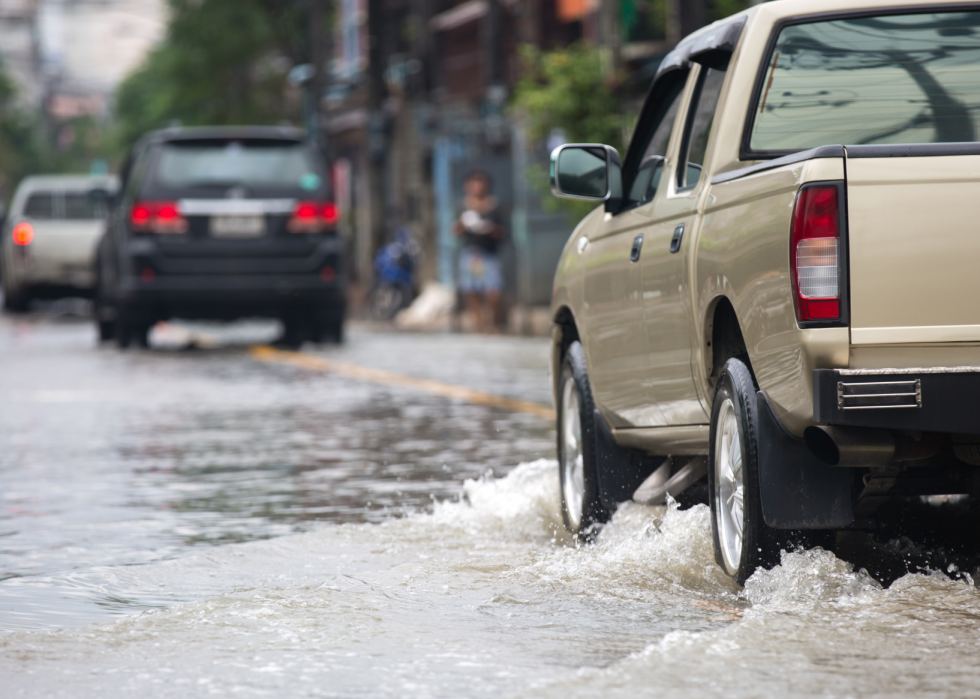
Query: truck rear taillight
313	217
161	217
815	253
22	234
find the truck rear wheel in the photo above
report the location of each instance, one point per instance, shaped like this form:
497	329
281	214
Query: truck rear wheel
581	507
742	540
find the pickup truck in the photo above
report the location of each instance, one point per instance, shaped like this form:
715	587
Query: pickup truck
777	300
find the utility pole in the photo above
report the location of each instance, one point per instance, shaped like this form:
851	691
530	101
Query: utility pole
492	44
609	36
377	139
318	78
673	28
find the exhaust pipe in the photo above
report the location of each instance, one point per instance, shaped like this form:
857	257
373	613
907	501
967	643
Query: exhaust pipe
853	447
841	446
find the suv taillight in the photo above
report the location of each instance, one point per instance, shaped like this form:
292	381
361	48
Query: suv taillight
814	253
313	217
161	217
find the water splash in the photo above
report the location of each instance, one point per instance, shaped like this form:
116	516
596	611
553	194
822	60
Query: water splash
485	596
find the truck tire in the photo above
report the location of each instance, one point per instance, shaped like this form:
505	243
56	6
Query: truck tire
742	541
581	506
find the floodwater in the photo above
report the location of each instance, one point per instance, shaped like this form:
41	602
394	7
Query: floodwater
184	524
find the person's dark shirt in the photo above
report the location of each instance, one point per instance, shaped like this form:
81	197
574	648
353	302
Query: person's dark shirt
487	242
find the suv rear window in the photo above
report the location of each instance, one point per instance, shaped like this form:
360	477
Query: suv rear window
230	163
912	78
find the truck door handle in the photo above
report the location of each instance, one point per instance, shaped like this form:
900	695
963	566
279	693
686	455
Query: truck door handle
635	250
677	238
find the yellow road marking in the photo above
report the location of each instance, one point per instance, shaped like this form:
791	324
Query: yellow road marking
264	353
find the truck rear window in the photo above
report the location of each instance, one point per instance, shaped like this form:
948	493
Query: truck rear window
40	205
64	205
230	163
80	206
912	78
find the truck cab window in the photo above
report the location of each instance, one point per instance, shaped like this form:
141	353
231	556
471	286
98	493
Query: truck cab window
40	205
654	132
699	120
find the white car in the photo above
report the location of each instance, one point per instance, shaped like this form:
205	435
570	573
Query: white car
49	238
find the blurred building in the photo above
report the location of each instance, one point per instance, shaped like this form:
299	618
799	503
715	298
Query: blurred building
409	113
19	49
87	47
416	96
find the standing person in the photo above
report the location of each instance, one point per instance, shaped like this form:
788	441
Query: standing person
480	227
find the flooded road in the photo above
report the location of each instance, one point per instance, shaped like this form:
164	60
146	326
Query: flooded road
199	523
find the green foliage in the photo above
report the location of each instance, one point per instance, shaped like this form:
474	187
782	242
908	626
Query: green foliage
18	142
221	62
646	20
719	9
27	148
565	89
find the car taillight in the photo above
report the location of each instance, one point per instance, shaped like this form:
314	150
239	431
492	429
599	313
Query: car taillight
22	234
313	217
815	254
162	217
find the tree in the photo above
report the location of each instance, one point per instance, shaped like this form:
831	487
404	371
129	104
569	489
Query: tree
19	145
26	148
221	62
564	89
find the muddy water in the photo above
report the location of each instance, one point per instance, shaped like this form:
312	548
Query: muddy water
179	524
487	597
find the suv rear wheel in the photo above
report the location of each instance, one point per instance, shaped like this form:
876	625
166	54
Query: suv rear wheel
131	332
103	310
106	329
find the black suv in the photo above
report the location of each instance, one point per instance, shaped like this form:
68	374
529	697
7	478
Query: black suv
222	223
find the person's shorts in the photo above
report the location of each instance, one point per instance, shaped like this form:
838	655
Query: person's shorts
479	271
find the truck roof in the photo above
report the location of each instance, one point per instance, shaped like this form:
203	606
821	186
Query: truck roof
66	182
194	133
791	8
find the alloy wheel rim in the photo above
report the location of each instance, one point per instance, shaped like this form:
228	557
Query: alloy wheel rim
573	466
729	486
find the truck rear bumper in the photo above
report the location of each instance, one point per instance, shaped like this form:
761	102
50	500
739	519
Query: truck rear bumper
943	399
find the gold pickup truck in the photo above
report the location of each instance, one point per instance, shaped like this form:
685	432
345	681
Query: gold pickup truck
780	291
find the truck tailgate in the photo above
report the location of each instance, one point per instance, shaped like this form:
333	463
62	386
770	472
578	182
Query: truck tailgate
914	247
66	243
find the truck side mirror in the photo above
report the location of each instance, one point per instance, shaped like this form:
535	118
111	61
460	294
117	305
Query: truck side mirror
587	171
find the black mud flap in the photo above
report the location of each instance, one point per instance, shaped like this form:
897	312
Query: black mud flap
798	490
621	469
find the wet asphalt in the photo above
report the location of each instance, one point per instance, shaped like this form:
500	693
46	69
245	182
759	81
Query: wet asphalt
123	457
